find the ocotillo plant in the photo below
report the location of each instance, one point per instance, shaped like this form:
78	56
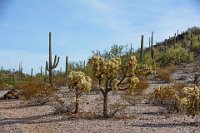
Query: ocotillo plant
49	65
142	49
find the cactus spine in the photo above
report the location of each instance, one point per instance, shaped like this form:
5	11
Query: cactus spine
142	49
49	65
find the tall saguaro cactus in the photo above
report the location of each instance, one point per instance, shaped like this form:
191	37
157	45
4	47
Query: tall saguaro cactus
149	42
142	48
49	65
20	71
152	51
175	40
66	66
165	45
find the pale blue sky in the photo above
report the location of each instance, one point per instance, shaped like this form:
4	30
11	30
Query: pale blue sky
81	26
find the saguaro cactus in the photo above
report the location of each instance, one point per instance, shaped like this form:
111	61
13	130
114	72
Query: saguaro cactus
13	76
149	42
45	75
20	71
142	49
66	66
165	45
49	65
41	71
31	72
152	51
175	40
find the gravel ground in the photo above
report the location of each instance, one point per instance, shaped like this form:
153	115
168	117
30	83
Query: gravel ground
17	117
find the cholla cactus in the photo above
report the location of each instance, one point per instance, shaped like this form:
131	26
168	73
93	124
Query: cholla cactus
191	100
105	68
81	83
145	70
165	92
107	73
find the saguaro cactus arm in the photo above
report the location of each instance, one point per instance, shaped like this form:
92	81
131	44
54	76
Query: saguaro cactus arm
56	61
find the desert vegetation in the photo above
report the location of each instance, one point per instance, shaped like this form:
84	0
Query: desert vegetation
115	82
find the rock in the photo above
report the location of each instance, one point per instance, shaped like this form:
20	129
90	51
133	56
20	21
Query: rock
12	94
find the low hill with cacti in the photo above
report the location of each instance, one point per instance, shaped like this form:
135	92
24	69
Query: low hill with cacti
181	48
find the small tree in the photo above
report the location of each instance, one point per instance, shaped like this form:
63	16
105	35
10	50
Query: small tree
80	83
110	79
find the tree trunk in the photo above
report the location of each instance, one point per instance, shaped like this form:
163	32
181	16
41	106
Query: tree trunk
105	104
77	101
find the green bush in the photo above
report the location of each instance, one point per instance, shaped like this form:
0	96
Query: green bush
175	57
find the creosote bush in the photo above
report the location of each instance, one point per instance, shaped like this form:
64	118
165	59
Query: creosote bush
78	81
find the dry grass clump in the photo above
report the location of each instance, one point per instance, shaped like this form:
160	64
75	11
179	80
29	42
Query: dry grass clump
36	92
142	85
165	73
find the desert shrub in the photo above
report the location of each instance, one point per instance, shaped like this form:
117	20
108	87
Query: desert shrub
142	85
165	73
59	80
179	86
195	30
175	57
195	46
62	107
36	92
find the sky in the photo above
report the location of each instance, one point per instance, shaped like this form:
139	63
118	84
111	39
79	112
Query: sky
81	26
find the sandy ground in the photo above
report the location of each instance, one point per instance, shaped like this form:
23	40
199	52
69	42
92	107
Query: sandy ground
17	117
